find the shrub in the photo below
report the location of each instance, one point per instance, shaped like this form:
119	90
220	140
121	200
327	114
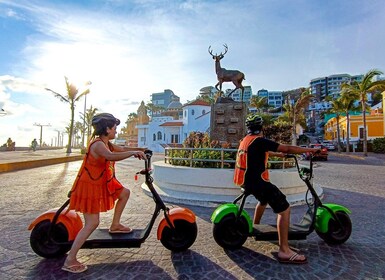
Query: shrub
211	158
379	145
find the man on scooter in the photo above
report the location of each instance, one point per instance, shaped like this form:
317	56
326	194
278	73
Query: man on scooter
252	174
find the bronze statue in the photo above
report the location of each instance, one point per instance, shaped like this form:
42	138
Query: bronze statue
225	75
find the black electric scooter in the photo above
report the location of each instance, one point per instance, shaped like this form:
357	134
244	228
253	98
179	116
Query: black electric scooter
232	225
54	231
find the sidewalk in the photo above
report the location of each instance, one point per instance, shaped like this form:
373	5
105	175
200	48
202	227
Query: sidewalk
18	160
359	155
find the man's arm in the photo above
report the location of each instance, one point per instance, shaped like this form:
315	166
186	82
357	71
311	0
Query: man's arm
290	149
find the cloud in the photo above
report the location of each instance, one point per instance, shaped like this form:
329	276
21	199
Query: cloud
131	49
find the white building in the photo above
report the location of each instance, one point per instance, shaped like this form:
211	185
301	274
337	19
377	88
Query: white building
165	131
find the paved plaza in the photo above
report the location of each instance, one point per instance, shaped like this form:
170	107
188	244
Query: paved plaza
354	181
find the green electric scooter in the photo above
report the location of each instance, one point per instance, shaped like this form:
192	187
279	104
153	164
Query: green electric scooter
232	225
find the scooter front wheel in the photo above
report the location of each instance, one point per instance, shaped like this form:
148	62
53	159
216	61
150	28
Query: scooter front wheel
181	237
49	246
231	233
337	233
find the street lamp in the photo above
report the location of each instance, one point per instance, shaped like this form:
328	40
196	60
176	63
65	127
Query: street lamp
2	112
84	114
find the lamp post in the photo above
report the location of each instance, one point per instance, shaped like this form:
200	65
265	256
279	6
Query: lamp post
84	114
41	130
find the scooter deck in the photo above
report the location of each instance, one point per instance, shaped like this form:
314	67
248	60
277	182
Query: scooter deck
101	238
269	232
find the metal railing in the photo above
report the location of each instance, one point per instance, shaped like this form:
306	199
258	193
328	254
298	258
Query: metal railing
212	158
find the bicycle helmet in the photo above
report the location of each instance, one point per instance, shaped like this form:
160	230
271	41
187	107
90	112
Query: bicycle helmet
100	122
254	123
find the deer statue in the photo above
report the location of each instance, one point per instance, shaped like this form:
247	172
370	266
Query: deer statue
225	75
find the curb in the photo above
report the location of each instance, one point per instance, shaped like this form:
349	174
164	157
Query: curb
14	166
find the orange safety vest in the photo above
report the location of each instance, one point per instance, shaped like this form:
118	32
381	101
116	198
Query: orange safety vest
241	161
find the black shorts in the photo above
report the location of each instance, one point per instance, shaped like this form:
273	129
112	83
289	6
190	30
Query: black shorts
267	193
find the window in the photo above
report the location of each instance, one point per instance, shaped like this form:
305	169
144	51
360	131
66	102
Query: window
159	135
154	137
174	138
361	132
192	112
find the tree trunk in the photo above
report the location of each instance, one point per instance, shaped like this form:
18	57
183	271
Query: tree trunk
294	140
348	133
365	143
338	134
71	129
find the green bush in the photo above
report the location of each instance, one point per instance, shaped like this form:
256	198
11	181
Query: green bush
202	140
379	145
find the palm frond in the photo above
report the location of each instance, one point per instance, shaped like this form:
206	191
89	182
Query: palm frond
58	95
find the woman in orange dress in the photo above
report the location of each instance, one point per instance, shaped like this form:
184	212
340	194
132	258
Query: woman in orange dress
96	189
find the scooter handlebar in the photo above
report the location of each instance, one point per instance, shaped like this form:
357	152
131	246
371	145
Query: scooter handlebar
148	153
304	172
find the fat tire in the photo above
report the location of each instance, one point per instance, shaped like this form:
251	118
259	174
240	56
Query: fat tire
47	247
230	233
335	235
181	237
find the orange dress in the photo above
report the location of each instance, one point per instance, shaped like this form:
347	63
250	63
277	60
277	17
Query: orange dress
95	188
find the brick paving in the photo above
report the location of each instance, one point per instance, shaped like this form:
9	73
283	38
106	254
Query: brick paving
354	181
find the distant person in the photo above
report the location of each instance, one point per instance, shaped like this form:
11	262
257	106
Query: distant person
252	174
34	144
11	145
96	189
9	142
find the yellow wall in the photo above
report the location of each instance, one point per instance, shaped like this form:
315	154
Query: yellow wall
375	127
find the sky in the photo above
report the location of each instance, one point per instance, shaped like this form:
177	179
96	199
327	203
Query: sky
125	50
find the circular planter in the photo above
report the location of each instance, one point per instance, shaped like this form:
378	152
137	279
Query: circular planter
213	186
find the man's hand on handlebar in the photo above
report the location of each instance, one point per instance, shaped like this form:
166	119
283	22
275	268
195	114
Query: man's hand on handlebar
316	151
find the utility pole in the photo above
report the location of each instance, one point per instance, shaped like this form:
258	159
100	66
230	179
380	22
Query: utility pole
41	130
58	137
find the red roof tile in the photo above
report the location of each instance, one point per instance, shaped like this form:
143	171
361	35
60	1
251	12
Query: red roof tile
172	124
198	102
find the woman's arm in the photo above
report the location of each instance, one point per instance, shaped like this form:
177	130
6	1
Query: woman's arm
99	149
118	148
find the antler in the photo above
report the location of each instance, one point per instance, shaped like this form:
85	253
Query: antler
211	52
221	54
226	48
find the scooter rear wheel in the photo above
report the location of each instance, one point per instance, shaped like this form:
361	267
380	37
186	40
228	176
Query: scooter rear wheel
335	234
181	237
230	233
47	246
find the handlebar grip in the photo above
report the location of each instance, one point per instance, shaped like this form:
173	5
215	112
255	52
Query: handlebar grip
148	152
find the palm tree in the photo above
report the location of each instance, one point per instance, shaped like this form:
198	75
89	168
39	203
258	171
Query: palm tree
71	97
78	127
348	100
258	102
153	108
337	107
294	111
362	89
87	119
